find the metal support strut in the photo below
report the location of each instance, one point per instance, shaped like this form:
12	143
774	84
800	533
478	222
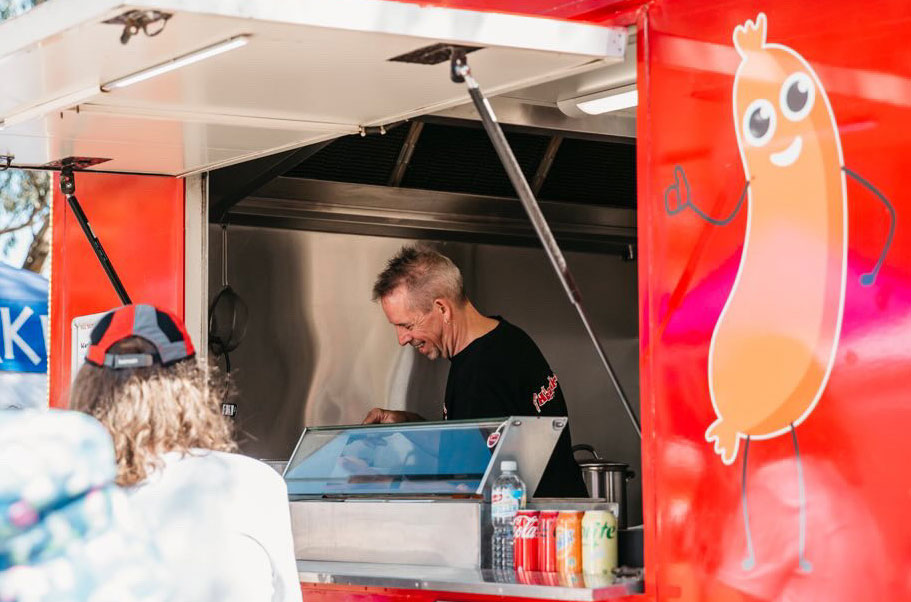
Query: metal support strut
461	73
68	188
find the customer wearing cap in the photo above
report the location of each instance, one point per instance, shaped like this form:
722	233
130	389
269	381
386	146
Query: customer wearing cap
221	519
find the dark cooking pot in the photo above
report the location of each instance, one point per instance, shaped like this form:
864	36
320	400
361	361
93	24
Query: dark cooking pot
605	479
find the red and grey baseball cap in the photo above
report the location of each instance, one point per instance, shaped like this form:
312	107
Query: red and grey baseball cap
159	327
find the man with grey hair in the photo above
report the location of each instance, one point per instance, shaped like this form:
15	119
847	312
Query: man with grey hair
496	369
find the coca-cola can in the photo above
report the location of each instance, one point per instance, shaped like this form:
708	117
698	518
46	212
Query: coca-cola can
529	577
547	541
525	532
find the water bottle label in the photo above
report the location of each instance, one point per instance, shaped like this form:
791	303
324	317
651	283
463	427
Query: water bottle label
506	502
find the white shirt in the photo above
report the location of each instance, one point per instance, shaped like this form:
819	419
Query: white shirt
223	526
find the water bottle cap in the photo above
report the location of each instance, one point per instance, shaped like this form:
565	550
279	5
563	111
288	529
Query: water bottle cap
508	465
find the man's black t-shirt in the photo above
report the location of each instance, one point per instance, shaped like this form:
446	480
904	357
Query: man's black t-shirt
503	373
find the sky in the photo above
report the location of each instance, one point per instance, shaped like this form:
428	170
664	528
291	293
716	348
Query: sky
16	255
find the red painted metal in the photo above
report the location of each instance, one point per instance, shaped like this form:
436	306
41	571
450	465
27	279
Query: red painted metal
852	442
140	222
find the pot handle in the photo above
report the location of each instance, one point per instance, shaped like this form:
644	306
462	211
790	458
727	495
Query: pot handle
586	447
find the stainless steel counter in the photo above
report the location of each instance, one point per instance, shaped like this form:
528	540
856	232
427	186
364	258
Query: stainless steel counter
465	581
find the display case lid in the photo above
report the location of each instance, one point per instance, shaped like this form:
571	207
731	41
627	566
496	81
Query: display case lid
420	459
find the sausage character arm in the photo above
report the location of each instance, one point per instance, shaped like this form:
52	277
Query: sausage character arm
870	277
681	188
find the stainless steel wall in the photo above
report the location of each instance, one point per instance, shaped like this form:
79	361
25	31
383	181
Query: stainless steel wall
319	352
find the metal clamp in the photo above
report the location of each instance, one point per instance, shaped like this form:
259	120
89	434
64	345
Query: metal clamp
150	22
6	161
458	65
67	180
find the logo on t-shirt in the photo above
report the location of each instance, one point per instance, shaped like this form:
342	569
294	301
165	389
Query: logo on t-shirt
546	393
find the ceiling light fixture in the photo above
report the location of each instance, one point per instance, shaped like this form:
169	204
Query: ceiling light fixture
181	61
598	103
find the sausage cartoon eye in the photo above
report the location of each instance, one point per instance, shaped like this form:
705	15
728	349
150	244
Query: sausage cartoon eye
759	122
797	96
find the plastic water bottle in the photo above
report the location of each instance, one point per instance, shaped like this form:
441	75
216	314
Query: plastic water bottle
507	498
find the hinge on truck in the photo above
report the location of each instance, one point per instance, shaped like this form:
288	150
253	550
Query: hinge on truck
150	22
433	54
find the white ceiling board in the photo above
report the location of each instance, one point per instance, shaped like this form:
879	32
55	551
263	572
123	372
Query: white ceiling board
327	75
605	77
172	147
311	69
429	22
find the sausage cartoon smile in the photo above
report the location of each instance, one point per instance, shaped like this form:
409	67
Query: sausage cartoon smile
788	155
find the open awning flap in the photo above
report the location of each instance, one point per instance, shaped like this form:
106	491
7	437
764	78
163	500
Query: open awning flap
311	70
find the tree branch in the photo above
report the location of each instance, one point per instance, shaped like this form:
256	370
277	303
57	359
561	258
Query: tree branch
25	224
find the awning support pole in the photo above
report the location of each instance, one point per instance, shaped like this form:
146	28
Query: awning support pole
68	188
461	73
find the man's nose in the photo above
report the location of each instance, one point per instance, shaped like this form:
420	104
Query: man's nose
404	337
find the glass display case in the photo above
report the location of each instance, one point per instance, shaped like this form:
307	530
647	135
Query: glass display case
418	459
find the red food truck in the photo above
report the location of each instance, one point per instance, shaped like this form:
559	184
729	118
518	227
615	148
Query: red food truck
732	170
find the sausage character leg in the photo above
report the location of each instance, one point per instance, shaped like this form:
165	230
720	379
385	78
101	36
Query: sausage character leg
805	565
750	561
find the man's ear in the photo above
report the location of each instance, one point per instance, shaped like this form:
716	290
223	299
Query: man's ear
445	308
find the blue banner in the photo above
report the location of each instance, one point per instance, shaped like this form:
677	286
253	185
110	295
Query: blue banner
23	321
22	345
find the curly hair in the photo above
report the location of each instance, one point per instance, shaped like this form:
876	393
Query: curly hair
155	410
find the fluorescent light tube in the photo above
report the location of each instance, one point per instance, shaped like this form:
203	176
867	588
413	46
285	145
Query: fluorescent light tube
614	99
614	102
181	61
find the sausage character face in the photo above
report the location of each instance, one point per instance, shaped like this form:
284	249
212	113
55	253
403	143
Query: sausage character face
781	115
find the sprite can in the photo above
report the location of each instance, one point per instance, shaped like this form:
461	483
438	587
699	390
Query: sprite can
599	542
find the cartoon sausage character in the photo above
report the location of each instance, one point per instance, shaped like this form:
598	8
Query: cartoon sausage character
774	344
775	341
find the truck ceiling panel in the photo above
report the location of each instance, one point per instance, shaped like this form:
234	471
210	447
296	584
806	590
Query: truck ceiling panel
311	70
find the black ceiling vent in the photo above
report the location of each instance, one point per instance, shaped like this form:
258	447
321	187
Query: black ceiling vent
356	159
593	173
458	157
462	159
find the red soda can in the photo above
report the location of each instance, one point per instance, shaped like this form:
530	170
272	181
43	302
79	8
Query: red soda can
547	541
525	533
529	577
550	579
